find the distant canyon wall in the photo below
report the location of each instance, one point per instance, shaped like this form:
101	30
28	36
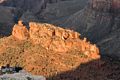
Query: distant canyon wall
106	5
32	5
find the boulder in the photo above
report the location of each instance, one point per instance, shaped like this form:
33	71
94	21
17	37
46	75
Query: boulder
20	31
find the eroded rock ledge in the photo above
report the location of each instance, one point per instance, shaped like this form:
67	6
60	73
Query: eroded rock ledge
54	38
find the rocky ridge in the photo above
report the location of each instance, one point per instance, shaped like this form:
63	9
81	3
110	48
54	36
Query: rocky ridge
52	37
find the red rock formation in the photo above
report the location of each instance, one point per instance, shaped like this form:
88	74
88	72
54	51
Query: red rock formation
54	38
20	31
59	39
51	37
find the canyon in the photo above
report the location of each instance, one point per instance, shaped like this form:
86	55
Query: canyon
62	39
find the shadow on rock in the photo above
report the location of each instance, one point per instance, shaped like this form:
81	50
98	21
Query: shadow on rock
102	69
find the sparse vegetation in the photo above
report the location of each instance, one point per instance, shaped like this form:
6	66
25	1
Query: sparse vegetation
36	59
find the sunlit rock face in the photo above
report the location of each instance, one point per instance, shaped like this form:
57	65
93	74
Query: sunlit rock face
58	39
53	38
